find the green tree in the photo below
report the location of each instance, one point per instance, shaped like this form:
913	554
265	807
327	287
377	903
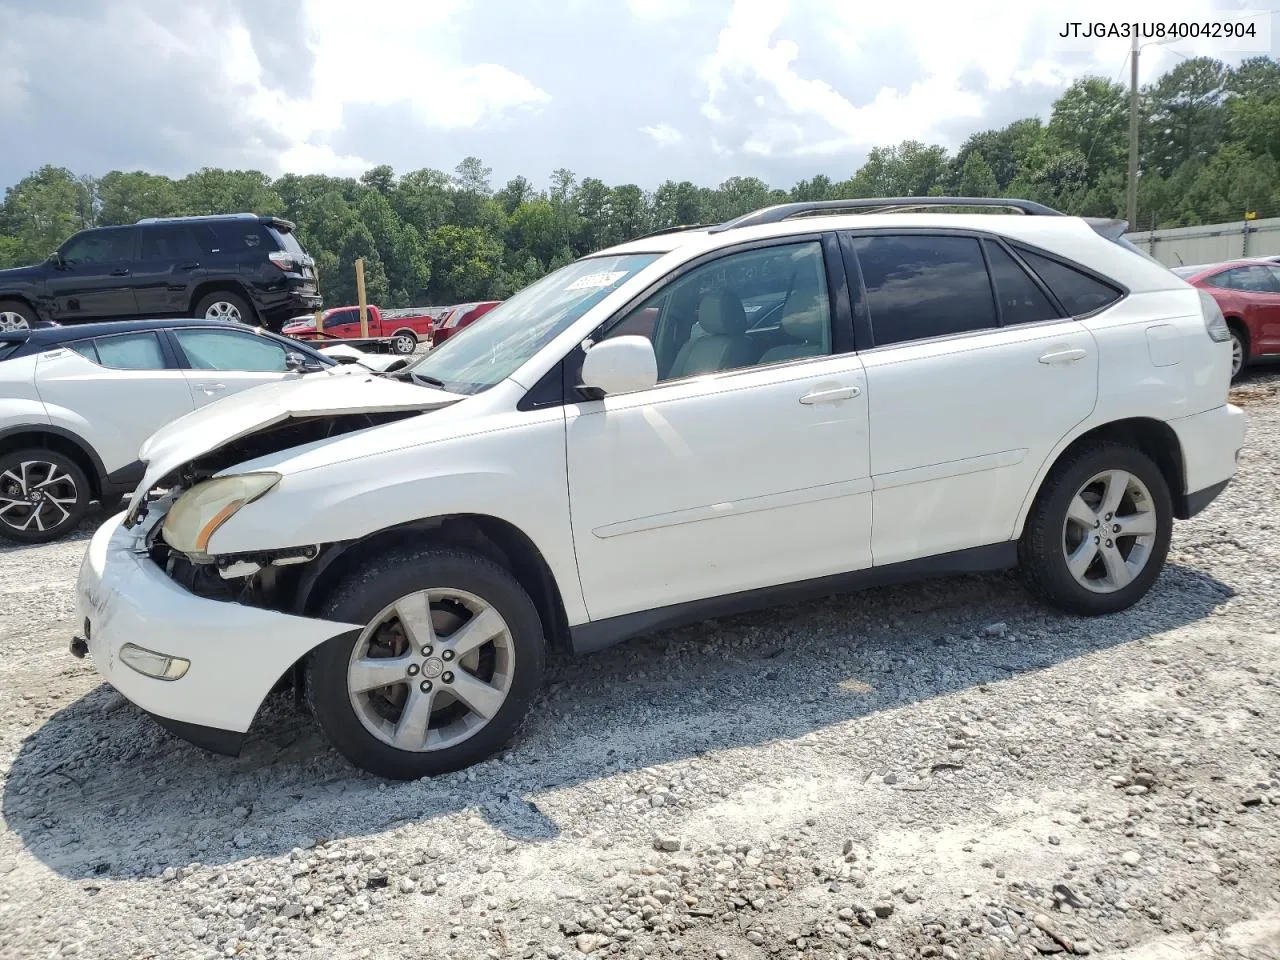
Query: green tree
1091	119
210	191
466	262
42	210
1187	118
977	178
128	197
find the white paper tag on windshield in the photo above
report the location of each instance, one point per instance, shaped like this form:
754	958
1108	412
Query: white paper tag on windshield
594	281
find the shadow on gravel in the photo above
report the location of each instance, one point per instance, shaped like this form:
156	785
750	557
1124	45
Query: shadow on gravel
100	790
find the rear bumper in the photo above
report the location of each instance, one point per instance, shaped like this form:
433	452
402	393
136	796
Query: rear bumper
1211	443
236	653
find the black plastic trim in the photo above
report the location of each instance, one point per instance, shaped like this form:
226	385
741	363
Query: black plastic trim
601	634
226	742
125	479
1189	504
547	392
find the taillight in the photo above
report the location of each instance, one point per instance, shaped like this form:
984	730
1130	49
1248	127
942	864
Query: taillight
1214	323
283	260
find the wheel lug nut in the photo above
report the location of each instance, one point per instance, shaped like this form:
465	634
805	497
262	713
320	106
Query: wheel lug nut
1097	540
1109	543
447	655
426	651
425	686
1116	528
413	670
447	677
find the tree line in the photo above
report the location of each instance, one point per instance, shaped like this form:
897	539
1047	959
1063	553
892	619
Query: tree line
1209	152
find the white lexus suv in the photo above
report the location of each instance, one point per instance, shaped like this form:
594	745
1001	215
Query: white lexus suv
809	398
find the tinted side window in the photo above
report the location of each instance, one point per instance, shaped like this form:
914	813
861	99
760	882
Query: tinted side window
215	350
86	349
1079	293
1020	299
169	243
1250	279
100	246
921	286
237	236
130	351
206	240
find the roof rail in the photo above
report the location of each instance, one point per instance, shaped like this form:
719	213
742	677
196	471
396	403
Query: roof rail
678	229
207	216
786	211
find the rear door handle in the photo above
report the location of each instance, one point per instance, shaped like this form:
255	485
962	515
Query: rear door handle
188	266
1064	356
120	272
831	396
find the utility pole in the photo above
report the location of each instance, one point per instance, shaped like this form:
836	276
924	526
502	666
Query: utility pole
1133	134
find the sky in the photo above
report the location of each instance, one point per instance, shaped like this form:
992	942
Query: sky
632	91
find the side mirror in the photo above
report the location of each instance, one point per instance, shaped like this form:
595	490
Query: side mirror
619	365
55	258
298	363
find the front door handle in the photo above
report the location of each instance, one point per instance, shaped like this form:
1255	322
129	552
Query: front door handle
188	266
1064	356
211	387
831	396
120	272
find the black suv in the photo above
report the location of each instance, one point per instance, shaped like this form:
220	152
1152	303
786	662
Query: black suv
240	267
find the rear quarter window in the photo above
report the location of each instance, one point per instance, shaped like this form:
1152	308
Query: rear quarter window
1078	292
237	236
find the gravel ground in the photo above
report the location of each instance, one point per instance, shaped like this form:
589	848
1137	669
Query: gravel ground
941	770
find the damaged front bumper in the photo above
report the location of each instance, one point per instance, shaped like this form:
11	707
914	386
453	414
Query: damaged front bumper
234	654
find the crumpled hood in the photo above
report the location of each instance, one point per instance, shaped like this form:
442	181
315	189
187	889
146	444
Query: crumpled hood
344	390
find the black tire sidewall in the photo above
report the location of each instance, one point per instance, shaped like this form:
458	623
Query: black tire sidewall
84	495
373	587
1041	547
248	316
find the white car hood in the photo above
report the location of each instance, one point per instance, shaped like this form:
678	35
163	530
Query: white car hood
374	361
341	391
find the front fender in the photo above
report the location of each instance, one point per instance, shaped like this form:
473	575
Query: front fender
516	474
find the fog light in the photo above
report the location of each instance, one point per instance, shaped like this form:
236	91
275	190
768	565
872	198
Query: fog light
152	664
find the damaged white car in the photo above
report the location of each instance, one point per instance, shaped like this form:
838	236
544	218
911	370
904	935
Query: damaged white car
691	424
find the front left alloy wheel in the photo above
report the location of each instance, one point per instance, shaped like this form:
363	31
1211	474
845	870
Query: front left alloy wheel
43	495
441	675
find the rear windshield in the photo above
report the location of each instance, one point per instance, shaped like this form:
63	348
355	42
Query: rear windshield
286	241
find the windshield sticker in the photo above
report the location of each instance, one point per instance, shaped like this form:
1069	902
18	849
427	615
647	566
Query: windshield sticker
595	281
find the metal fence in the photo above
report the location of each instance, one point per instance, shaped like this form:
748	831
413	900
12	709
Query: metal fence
1183	246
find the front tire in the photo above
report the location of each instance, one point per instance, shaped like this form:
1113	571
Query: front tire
1099	531
442	674
43	495
225	305
16	315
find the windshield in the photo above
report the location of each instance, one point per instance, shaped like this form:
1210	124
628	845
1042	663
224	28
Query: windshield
488	351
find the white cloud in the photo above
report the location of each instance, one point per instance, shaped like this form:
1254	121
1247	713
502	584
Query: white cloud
761	100
663	134
659	9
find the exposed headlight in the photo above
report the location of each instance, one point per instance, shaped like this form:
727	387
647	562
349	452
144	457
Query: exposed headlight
1214	323
199	512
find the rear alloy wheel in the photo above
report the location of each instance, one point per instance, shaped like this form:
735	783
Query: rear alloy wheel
222	305
43	495
1099	532
1239	353
404	342
441	675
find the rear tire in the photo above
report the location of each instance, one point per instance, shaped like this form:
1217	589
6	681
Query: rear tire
16	315
404	342
451	698
1239	351
1099	531
225	305
43	495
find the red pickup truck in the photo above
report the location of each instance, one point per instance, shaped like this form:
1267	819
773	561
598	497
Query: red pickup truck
404	331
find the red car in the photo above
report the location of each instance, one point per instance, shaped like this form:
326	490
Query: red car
459	317
404	329
1248	292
